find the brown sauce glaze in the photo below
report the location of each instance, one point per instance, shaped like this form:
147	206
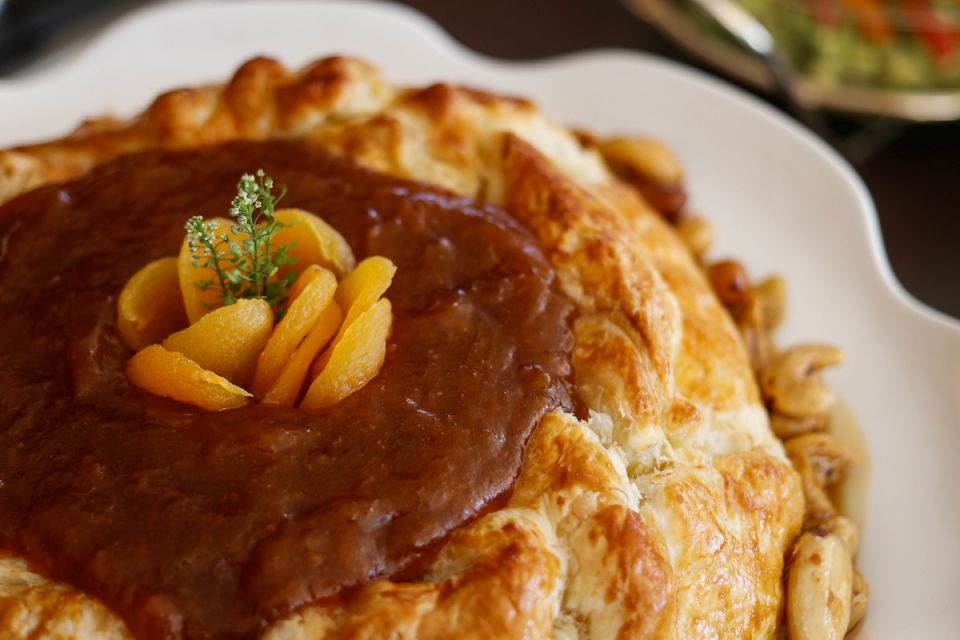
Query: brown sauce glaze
210	525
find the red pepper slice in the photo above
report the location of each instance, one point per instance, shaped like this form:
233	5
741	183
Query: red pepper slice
936	35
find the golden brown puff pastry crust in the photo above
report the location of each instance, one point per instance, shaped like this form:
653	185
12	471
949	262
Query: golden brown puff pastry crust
666	514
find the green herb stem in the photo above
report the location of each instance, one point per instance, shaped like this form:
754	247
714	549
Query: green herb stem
243	269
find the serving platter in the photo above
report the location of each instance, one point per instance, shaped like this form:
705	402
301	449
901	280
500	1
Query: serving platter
780	200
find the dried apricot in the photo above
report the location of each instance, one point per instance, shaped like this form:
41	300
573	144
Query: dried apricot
354	359
288	385
150	306
174	375
307	275
316	242
356	293
364	286
227	340
300	318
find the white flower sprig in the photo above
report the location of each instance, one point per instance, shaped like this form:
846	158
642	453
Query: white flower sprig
244	269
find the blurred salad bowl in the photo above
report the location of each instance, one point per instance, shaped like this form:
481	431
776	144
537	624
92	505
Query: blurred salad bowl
894	58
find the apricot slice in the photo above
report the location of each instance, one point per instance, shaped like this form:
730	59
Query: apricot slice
227	340
300	318
306	277
199	302
364	286
316	242
287	387
150	307
174	375
354	359
357	292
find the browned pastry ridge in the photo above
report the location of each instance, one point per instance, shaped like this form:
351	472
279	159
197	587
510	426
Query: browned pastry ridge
667	513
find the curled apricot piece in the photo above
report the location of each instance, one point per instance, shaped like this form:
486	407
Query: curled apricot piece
301	317
308	275
364	286
174	375
199	302
356	293
316	242
287	387
354	359
150	307
227	340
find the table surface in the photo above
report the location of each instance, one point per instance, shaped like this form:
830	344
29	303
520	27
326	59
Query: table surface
915	179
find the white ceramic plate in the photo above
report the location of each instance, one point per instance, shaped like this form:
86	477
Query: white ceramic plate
781	200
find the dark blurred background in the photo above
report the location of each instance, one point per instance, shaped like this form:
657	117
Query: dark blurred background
914	178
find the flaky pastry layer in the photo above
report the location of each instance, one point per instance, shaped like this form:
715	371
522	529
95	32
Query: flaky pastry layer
666	514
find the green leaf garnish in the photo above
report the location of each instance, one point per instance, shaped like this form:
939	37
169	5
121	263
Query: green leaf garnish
244	269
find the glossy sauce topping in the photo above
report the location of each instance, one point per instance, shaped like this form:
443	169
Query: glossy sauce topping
211	525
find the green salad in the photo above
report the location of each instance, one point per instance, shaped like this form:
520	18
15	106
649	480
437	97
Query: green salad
903	44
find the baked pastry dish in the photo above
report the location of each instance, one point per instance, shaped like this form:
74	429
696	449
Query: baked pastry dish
571	426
